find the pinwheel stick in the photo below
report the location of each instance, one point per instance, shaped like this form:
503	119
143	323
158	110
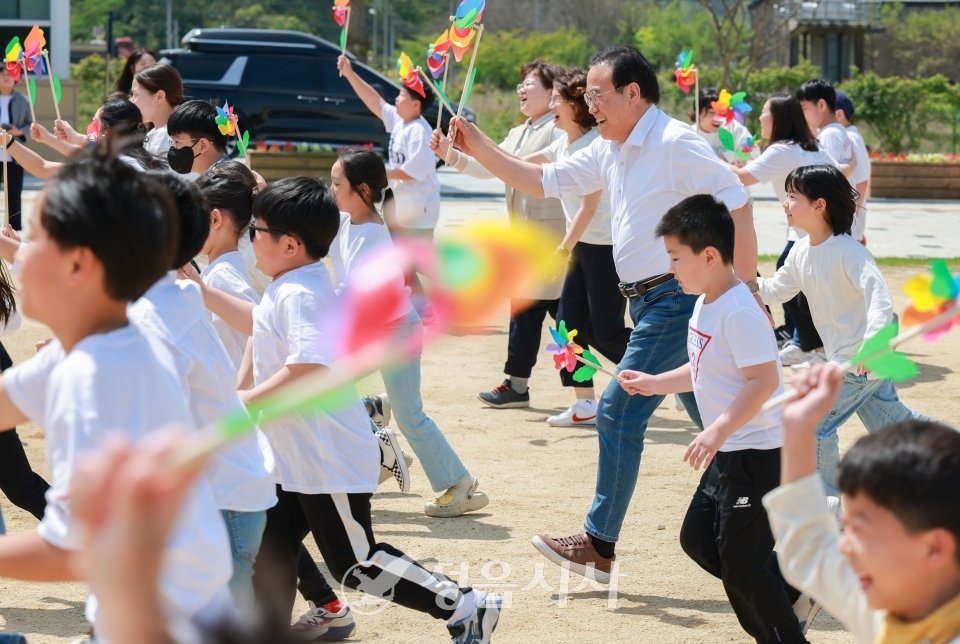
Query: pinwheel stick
597	367
426	77
53	91
6	194
473	61
850	365
346	31
696	97
303	393
446	69
26	81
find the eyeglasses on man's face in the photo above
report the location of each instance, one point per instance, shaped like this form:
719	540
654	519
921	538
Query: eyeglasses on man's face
592	98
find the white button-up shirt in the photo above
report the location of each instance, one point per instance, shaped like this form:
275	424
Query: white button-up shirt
662	162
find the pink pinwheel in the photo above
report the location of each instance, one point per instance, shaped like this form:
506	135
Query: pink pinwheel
563	348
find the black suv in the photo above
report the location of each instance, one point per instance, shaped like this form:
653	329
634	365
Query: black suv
285	86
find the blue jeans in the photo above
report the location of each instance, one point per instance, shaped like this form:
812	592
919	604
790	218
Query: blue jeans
877	405
246	533
3	528
440	463
658	344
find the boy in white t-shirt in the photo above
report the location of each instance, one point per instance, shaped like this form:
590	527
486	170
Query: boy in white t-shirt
734	368
861	175
327	463
411	164
172	312
102	233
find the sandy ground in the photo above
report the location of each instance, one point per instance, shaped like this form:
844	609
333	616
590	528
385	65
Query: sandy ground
540	479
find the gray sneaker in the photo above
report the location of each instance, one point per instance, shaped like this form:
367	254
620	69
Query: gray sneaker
504	397
478	628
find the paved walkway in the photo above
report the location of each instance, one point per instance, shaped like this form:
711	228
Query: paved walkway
895	227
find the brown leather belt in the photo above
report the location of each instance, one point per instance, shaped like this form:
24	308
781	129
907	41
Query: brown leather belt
639	289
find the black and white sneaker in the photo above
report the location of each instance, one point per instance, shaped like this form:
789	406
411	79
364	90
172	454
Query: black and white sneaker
783	336
391	457
378	408
504	397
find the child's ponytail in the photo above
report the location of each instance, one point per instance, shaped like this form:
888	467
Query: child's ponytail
231	188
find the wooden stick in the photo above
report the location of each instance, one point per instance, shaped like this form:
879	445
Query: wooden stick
696	97
426	77
597	367
26	80
346	34
849	365
6	192
473	61
446	69
53	92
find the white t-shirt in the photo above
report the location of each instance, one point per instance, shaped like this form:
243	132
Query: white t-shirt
158	141
849	300
172	311
835	141
417	201
5	116
316	453
725	337
599	231
228	273
120	382
740	134
776	162
862	172
353	245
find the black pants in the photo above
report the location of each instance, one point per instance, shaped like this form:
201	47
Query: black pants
727	533
796	314
15	177
341	526
526	325
18	481
591	303
311	583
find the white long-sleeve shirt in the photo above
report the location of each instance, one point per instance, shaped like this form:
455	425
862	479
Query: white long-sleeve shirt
849	300
662	162
808	540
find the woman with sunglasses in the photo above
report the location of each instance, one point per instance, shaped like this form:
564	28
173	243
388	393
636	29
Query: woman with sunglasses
528	310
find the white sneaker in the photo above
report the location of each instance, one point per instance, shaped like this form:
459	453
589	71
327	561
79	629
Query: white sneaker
320	624
814	358
387	474
576	415
392	457
806	609
833	503
678	403
478	627
791	355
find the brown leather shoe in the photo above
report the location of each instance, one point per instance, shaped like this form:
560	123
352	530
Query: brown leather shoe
577	554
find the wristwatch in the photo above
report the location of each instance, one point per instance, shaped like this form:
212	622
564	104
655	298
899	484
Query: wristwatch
753	286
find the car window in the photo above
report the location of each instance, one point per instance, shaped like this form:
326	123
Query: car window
203	67
286	73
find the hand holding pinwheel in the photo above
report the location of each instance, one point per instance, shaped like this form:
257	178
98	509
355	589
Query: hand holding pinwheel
933	312
228	124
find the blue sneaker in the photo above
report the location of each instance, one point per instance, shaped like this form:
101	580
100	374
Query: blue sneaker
477	628
330	623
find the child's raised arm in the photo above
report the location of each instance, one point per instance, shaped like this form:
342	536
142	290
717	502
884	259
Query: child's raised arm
370	97
235	311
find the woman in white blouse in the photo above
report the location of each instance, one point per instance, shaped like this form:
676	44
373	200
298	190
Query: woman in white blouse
157	90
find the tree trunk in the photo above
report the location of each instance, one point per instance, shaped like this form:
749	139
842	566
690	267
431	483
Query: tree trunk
358	38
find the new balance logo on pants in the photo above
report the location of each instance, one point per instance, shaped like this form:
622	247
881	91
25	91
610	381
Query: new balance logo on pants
742	502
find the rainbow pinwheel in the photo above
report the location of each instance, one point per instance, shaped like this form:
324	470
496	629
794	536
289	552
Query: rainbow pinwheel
469	13
730	107
341	15
227	120
563	348
33	46
744	151
930	296
436	58
686	71
12	58
408	74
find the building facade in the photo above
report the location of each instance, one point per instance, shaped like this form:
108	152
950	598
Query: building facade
17	17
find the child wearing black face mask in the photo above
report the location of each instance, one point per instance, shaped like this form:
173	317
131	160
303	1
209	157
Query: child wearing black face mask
196	143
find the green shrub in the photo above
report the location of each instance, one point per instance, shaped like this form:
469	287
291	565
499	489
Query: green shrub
89	74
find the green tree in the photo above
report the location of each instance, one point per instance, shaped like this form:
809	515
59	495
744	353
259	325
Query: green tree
917	44
667	29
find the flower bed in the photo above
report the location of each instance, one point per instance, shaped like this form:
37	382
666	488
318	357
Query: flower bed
916	177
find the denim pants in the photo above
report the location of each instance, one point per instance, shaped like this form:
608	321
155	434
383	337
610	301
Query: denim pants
658	344
877	405
246	533
3	527
440	463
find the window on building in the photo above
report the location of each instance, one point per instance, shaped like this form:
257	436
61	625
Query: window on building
24	10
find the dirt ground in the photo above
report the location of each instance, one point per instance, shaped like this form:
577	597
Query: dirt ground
539	479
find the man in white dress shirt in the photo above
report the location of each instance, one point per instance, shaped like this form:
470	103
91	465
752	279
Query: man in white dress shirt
646	162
